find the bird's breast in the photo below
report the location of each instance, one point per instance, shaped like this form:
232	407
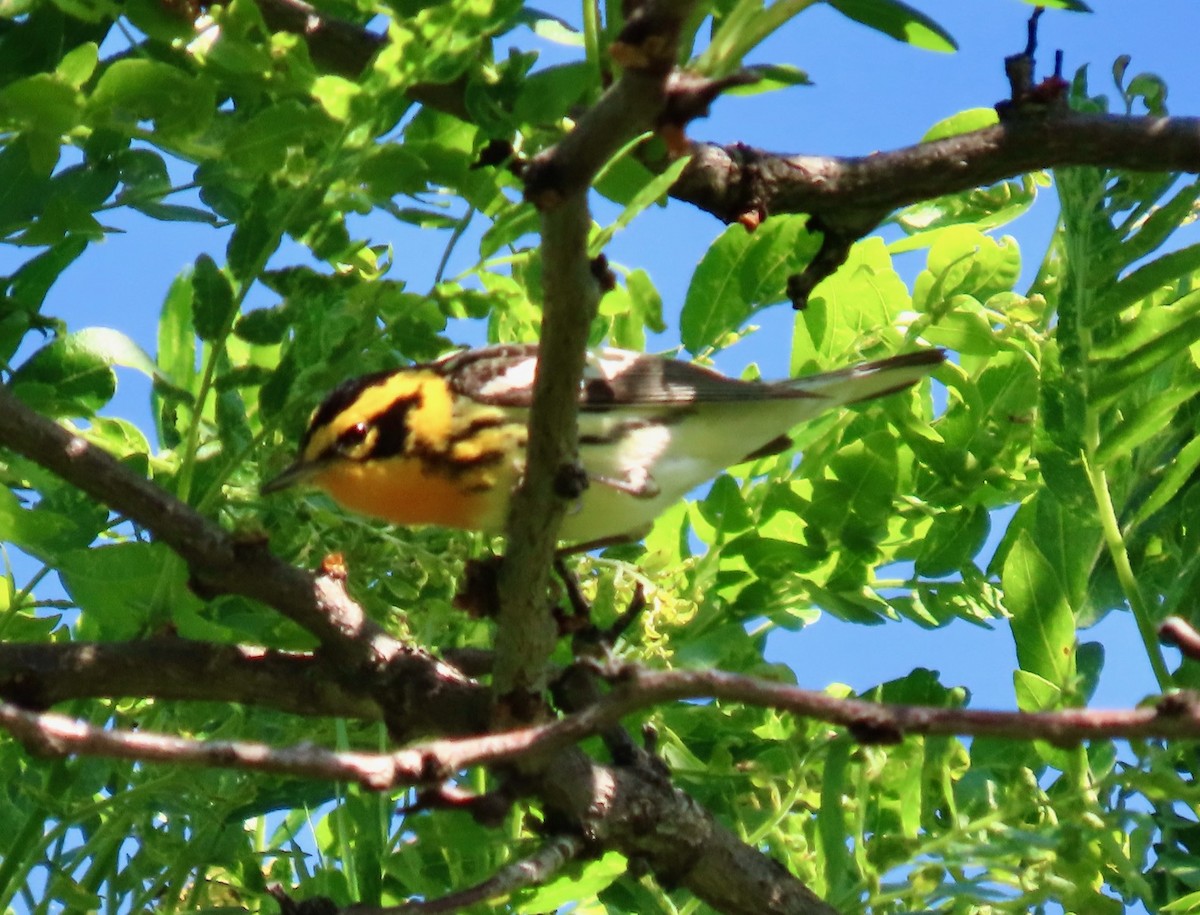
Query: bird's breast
405	491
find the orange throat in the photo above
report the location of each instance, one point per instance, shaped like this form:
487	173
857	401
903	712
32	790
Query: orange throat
402	491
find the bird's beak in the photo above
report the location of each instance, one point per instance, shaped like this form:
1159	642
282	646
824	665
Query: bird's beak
296	473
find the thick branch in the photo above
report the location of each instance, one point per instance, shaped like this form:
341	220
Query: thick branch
38	676
729	181
644	817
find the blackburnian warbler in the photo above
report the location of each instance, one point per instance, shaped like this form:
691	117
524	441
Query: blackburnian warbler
444	443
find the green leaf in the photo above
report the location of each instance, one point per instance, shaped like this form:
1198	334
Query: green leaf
212	302
964	261
144	174
771	77
724	508
1161	221
770	558
575	886
337	95
741	29
646	299
549	94
122	439
653	191
23	185
962	122
135	89
78	64
41	533
867	469
1075	6
831	818
1043	625
979	208
264	326
855	307
116	349
115	585
31	282
1090	659
390	169
1178	473
176	339
41	102
175	212
1187	904
1158	334
898	20
952	541
740	273
965	328
1140	424
517	221
64	378
265	142
235	432
1162	273
551	27
1036	694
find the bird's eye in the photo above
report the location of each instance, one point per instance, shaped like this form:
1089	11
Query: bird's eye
352	436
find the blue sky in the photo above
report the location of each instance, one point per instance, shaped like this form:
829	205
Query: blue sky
870	93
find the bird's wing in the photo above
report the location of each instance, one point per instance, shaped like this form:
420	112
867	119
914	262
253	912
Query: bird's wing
503	376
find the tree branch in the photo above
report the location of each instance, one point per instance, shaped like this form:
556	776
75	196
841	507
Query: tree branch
641	814
52	734
557	181
729	180
38	676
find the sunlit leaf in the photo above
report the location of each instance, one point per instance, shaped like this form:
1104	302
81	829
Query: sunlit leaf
1042	623
898	20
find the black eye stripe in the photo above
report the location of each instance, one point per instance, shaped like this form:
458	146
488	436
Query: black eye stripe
392	427
353	435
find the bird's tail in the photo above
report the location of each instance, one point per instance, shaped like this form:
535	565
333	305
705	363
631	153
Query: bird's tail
867	379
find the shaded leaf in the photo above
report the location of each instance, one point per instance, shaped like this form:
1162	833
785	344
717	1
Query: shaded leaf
212	302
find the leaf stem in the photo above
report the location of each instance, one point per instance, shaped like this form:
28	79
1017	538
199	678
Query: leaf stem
457	234
591	40
1111	529
21	599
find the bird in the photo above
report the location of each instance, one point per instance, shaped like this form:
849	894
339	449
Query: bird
443	442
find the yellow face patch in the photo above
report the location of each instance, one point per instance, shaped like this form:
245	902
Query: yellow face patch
428	418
